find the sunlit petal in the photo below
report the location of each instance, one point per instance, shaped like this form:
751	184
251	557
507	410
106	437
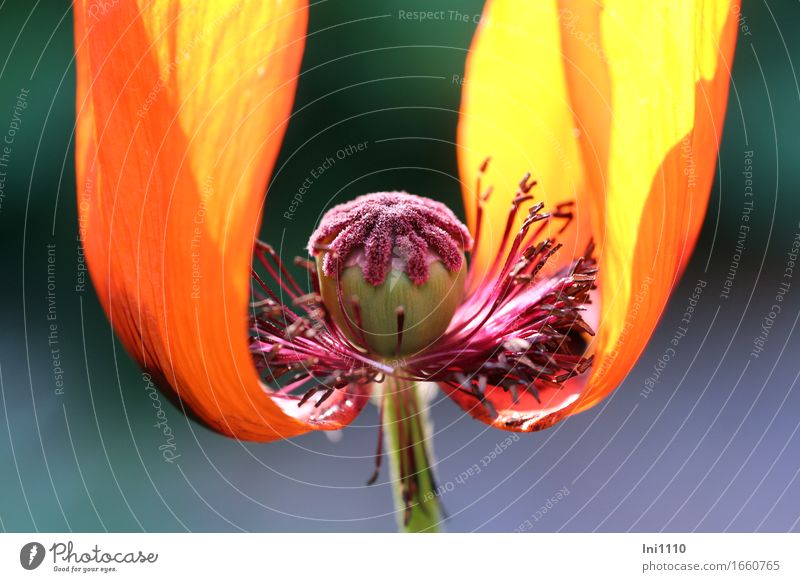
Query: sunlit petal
664	70
515	108
181	110
618	105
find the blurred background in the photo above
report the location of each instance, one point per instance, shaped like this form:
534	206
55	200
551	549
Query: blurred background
710	445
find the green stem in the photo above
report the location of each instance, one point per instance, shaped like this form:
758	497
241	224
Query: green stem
408	445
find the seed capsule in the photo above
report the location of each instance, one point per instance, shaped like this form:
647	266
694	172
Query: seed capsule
392	270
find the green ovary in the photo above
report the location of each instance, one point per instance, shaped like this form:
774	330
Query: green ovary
427	308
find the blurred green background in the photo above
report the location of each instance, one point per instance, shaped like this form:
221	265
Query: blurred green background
89	459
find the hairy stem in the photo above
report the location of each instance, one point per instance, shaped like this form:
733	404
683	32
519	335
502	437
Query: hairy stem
408	443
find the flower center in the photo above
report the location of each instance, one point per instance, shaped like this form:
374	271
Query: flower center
392	270
516	341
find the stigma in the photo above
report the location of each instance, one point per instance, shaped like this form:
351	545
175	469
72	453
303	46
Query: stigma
387	230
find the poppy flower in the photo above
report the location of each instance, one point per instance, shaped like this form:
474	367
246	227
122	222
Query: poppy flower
587	143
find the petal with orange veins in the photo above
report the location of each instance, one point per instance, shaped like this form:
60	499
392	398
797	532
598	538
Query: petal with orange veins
619	106
182	107
654	100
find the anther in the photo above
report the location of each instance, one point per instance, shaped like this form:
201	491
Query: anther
400	312
379	451
306	396
526	183
305	264
324	397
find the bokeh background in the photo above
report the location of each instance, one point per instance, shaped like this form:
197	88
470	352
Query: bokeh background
712	447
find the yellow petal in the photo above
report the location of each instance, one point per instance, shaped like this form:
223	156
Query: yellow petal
618	105
515	108
664	71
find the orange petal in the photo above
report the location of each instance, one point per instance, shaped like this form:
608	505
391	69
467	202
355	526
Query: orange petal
664	69
182	107
515	108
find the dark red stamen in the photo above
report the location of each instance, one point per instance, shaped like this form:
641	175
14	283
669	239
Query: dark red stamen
401	316
379	451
